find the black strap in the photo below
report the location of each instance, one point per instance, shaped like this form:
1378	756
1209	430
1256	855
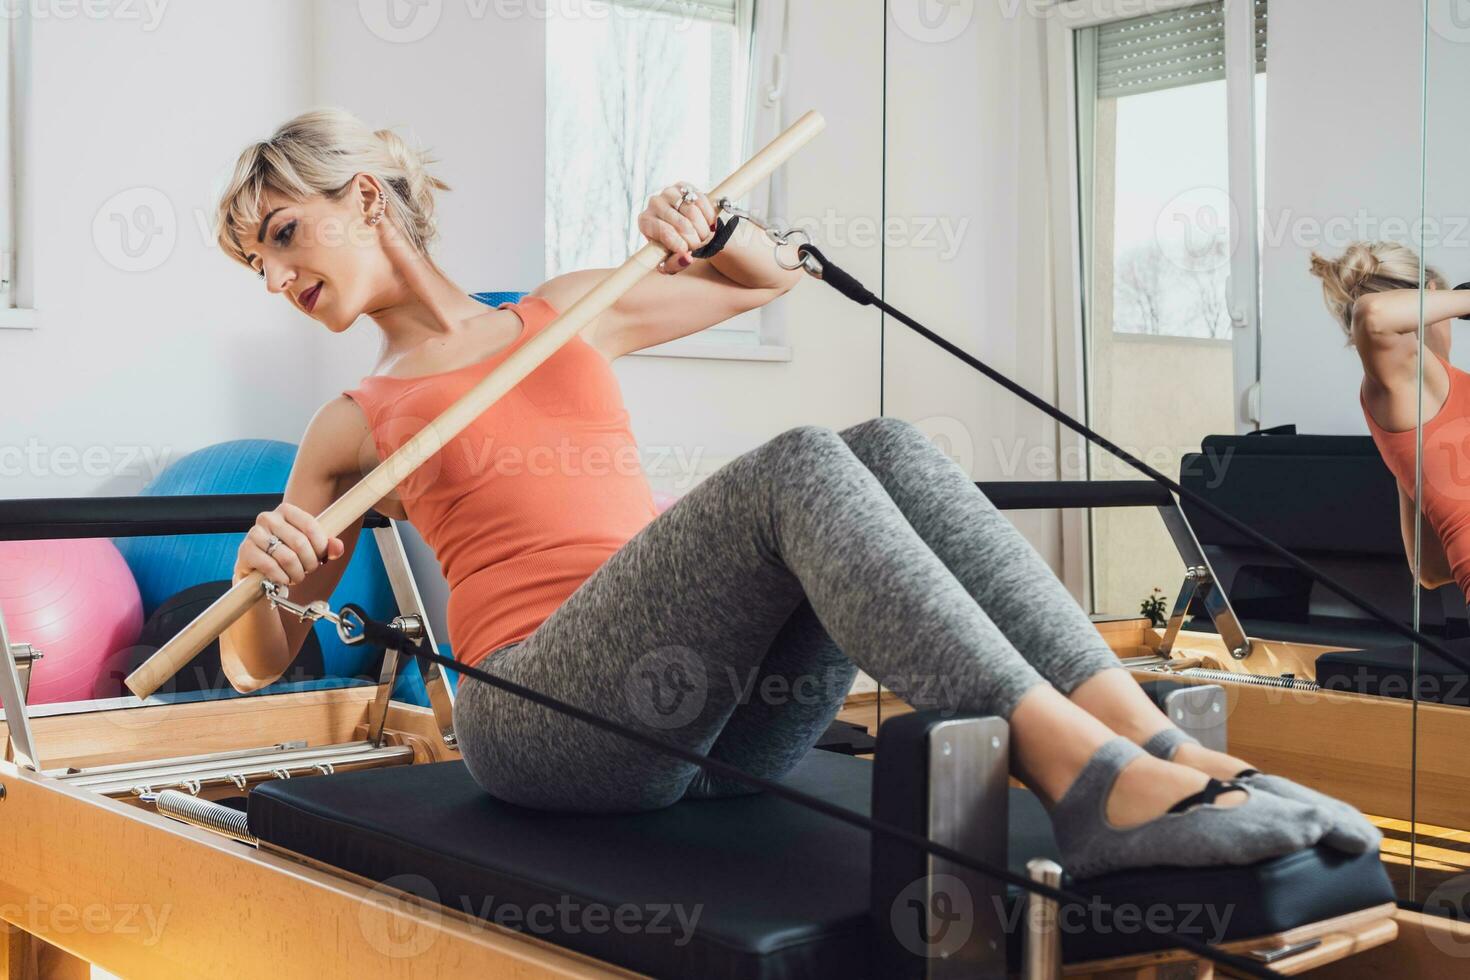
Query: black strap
716	245
1214	789
384	635
855	291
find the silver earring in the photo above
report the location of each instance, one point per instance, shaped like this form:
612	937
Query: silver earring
378	215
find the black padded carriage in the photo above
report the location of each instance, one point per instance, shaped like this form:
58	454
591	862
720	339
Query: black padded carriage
779	891
1390	672
1331	500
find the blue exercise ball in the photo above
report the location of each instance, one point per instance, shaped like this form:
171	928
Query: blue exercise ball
165	566
494	298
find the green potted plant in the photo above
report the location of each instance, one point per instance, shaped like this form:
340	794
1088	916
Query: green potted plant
1156	608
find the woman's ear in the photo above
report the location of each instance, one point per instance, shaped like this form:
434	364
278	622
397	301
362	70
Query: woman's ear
368	194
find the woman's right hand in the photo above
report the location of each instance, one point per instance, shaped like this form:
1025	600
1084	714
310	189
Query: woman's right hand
302	547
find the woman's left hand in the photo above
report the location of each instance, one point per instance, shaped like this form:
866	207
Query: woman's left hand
678	227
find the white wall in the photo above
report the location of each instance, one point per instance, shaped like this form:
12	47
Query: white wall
133	366
1446	151
467	81
970	256
1342	162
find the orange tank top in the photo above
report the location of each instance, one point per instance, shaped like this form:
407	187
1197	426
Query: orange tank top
531	498
1446	495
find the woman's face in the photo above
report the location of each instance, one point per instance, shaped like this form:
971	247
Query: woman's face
322	255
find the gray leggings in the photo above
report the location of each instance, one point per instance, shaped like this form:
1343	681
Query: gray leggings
734	623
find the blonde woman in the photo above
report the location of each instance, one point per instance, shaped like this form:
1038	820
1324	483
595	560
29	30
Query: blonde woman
1373	292
733	622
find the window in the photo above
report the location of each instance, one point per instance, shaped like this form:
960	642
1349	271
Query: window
641	94
1165	178
14	103
1158	206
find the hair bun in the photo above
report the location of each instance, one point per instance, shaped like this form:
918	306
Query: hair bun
1322	267
1367	267
413	182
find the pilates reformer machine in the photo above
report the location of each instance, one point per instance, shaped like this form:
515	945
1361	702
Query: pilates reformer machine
335	832
263	823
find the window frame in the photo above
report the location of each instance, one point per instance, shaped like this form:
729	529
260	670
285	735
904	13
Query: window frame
761	27
17	310
1065	18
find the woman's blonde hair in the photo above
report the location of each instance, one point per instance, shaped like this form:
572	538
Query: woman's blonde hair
1368	267
319	153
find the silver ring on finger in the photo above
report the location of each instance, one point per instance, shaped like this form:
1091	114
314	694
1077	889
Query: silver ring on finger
271	545
687	195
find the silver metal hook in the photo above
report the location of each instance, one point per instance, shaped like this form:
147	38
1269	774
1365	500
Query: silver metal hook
312	611
350	627
778	236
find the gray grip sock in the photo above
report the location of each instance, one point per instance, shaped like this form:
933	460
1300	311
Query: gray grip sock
1349	830
1207	834
1164	743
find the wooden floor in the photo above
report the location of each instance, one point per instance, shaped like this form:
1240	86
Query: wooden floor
1440	854
864	709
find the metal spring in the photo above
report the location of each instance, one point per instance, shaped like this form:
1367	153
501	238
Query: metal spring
206	814
1259	680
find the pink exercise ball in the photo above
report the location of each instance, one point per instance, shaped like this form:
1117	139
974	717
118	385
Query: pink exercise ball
76	602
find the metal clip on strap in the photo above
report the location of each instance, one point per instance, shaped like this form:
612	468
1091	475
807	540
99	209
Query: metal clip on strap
402	635
349	621
776	234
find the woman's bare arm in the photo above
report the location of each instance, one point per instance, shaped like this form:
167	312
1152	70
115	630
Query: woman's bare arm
262	644
659	308
1385	332
692	294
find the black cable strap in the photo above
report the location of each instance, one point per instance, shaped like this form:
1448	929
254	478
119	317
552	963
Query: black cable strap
856	292
384	635
716	245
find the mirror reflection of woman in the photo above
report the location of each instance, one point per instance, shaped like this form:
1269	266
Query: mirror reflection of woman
1373	291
